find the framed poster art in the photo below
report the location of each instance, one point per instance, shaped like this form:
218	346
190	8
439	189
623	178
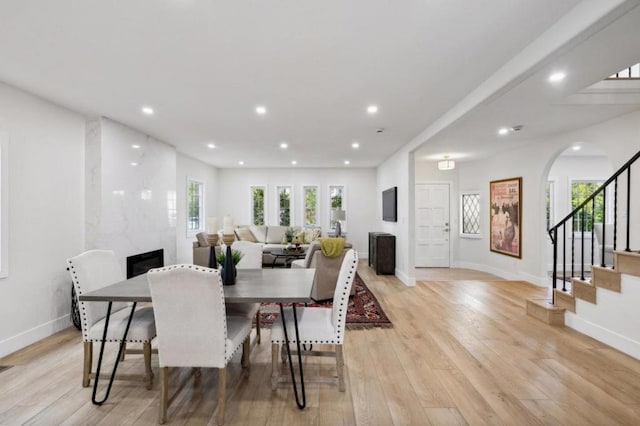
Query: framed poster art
505	201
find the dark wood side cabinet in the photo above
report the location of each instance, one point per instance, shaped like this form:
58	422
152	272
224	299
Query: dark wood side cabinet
382	252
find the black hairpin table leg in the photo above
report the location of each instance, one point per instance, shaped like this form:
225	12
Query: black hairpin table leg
302	404
115	366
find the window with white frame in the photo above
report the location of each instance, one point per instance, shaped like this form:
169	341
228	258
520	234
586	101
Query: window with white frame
550	204
310	205
470	214
284	205
337	202
590	214
195	206
258	205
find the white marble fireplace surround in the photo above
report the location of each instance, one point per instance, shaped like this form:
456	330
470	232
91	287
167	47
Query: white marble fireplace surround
130	209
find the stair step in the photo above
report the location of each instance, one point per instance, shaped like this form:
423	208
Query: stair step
543	310
565	300
584	290
606	278
627	262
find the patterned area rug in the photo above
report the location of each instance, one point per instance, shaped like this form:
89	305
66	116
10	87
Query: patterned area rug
364	310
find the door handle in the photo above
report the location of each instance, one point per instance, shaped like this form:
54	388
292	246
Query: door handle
446	229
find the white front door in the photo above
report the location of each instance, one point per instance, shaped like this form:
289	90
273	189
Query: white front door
432	225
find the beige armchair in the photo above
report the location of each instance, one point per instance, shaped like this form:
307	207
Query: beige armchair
327	270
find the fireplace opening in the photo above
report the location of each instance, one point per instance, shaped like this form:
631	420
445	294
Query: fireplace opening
140	263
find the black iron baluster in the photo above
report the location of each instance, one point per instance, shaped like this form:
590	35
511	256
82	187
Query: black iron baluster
564	257
593	219
582	225
615	216
628	206
555	263
573	252
604	228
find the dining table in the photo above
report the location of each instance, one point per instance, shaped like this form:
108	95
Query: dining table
290	286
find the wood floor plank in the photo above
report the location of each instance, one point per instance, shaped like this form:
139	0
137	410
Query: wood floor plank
461	351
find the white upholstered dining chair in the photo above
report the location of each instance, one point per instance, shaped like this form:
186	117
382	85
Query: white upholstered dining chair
251	259
318	325
193	328
93	270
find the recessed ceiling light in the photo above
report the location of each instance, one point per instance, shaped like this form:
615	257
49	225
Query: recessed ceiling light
503	131
134	163
355	145
261	110
284	145
147	110
211	145
347	162
576	147
241	162
557	76
135	146
372	109
294	162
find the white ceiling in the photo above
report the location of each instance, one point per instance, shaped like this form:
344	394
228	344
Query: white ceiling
204	65
545	108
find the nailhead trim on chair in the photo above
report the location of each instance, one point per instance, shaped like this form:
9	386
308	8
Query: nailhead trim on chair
341	316
85	330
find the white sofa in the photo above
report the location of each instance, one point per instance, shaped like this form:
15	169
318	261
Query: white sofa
273	237
269	237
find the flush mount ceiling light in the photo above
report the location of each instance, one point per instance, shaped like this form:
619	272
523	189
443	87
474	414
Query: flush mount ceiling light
147	110
446	164
261	110
347	162
503	131
355	145
135	146
294	162
211	145
134	163
372	109
241	163
284	145
576	147
557	76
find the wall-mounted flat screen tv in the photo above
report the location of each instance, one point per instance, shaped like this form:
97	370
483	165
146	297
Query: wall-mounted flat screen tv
390	204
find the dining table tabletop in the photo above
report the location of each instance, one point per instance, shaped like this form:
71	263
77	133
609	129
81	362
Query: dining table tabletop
252	286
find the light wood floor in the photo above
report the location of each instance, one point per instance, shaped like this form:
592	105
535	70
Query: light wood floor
460	352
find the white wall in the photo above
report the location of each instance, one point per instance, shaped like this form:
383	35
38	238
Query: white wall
618	137
192	168
46	213
362	200
399	171
136	205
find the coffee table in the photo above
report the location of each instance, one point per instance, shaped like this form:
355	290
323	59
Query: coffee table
287	255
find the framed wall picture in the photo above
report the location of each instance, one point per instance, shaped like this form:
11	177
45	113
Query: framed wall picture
505	201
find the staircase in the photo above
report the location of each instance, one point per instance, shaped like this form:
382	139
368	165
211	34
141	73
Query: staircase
552	311
605	304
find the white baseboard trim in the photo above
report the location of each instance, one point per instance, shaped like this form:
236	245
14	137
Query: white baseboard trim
406	279
508	275
28	337
611	338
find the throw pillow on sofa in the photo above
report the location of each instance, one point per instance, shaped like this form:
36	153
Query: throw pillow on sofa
310	235
275	234
245	234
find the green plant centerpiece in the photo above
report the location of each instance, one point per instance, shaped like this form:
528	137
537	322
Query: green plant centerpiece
228	262
288	234
236	255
